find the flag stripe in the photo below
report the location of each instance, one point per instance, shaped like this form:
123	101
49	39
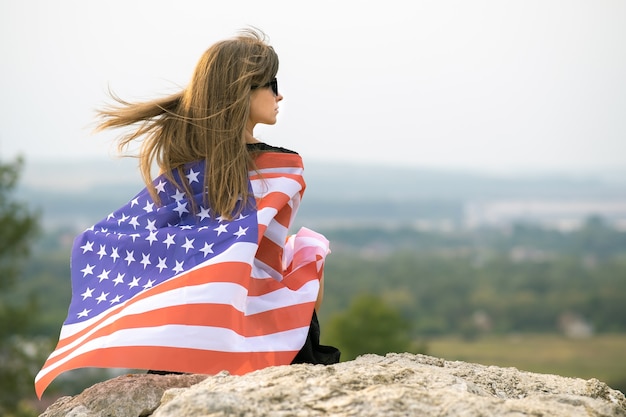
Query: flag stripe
271	254
261	270
208	315
184	359
279	162
284	216
225	271
270	201
188	337
276	296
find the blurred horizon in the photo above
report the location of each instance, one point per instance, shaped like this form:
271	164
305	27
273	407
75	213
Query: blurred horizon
80	192
128	167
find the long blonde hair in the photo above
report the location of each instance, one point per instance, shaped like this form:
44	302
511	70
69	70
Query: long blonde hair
205	121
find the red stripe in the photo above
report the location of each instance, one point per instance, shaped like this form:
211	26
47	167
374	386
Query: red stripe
294	280
171	359
210	315
262	229
275	199
233	272
283	217
270	254
278	159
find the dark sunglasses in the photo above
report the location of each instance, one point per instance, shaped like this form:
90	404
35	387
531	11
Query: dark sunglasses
273	84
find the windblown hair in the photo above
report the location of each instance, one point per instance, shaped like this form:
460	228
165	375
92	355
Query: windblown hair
206	120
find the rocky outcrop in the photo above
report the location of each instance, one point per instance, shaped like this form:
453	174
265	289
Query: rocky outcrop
371	385
127	395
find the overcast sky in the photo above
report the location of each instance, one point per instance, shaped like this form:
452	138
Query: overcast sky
494	86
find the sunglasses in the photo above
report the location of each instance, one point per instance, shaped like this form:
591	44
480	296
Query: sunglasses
273	84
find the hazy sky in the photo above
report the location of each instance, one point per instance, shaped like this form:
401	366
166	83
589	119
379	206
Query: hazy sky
495	86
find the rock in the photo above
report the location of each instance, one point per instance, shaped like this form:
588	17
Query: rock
372	385
127	395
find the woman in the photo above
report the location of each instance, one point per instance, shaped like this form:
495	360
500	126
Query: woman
197	273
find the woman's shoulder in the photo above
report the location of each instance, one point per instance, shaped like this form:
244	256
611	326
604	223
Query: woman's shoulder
264	147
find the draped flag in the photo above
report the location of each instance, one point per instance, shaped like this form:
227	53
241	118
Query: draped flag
167	287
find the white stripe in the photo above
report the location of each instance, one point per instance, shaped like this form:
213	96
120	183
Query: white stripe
235	253
305	242
214	293
283	297
294	203
266	215
276	232
192	337
281	170
264	186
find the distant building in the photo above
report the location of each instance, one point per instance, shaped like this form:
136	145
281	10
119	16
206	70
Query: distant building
556	214
574	326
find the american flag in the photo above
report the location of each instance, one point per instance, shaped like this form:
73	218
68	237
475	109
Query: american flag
167	287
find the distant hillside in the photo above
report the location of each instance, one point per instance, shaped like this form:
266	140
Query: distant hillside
348	181
78	193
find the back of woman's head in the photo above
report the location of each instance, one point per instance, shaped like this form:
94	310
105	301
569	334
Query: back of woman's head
217	100
226	71
207	120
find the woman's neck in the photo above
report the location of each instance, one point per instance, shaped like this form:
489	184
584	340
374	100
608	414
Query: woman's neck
249	137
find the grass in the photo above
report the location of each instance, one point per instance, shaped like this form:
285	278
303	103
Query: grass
600	356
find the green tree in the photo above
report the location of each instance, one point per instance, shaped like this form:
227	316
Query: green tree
18	227
370	325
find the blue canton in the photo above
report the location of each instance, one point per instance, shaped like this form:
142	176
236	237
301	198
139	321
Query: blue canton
143	244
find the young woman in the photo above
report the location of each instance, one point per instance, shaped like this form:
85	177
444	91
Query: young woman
198	272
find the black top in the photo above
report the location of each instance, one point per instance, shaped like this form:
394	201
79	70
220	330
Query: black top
264	147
